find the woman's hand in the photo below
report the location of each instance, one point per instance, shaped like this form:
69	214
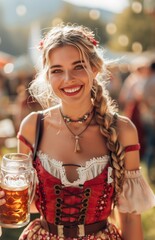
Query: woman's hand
2	200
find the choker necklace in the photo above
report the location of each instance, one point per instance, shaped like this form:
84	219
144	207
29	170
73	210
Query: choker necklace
77	147
79	120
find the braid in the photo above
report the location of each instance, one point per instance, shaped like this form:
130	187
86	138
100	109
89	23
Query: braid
104	109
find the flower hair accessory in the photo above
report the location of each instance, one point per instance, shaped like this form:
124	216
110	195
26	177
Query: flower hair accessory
93	41
41	44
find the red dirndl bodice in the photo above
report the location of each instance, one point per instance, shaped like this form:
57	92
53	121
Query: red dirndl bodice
85	204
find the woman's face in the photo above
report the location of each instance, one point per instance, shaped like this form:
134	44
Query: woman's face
68	75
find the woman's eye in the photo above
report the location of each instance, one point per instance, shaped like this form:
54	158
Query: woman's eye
79	67
56	71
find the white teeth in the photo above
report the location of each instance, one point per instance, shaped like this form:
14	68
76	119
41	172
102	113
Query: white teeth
71	90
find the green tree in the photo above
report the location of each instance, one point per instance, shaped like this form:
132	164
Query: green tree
136	27
70	14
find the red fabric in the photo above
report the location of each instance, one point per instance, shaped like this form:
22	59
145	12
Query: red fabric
99	201
24	140
134	147
100	191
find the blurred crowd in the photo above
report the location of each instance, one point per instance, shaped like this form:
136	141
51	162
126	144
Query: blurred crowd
131	85
15	104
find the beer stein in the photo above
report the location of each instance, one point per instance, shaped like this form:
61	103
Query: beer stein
17	180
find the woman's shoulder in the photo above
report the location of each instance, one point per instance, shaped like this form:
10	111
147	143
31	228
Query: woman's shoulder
29	120
127	131
28	124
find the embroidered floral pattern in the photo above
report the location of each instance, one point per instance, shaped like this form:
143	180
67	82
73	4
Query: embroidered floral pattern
103	200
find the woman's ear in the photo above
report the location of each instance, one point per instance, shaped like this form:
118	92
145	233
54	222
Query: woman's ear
95	72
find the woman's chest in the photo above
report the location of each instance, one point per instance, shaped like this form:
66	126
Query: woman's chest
62	145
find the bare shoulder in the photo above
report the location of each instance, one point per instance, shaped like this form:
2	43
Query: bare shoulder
28	121
28	126
127	131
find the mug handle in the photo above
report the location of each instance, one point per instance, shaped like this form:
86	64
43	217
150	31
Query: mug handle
33	183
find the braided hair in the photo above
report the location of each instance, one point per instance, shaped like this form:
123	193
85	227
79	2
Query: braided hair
104	107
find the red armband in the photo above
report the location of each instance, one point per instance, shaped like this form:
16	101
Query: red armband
134	147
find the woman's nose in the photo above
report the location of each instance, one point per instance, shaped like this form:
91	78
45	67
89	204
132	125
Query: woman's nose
68	76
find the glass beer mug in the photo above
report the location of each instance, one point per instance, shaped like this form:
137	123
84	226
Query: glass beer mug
17	180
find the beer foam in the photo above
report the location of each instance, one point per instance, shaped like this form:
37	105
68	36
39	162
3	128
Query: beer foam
13	185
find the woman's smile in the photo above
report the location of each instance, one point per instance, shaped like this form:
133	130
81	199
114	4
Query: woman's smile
70	76
71	91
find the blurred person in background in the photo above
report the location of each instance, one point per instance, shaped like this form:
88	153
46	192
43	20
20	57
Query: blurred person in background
149	121
85	154
4	94
131	95
115	81
23	101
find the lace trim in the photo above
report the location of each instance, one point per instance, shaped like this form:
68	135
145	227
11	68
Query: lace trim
92	168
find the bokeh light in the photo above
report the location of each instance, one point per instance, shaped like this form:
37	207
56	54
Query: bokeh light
8	68
21	10
137	47
123	40
94	14
111	28
136	7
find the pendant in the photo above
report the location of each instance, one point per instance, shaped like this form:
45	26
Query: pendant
77	144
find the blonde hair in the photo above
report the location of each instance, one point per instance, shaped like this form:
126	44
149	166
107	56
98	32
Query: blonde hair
107	120
83	39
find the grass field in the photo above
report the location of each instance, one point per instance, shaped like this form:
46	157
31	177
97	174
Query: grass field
148	218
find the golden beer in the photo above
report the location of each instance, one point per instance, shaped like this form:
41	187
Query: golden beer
18	181
16	208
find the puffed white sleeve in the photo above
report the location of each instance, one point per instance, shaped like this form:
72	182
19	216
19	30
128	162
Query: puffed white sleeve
137	196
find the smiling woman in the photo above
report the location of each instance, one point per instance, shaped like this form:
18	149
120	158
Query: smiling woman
85	154
69	79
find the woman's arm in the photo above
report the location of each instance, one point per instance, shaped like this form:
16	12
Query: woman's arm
27	130
131	227
130	223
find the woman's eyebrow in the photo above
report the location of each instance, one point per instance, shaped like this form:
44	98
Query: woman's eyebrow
59	66
55	66
76	62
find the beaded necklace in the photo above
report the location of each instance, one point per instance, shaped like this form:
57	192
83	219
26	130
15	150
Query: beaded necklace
79	120
77	147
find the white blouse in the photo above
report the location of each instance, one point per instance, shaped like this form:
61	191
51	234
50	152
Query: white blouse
136	196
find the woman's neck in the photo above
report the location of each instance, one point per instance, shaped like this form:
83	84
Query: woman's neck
76	112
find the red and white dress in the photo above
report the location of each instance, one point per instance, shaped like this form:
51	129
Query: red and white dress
84	202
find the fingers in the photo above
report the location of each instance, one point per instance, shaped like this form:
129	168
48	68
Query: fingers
2	194
2	200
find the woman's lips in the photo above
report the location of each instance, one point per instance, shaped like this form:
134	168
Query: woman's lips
71	91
